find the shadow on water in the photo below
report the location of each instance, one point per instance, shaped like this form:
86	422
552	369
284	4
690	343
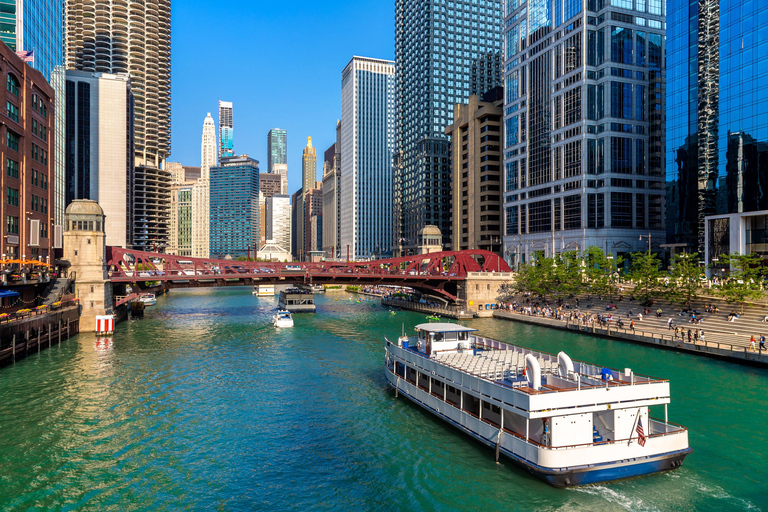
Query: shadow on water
203	404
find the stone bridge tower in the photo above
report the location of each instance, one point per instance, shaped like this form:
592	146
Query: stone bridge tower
85	248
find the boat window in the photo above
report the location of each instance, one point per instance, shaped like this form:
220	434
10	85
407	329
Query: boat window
439	336
463	336
451	336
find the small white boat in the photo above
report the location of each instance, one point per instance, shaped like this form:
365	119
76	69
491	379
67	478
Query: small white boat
148	299
282	319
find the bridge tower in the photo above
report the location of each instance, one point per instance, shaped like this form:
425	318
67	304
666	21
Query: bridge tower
85	248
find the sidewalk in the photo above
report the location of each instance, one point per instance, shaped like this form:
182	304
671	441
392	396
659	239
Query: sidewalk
649	336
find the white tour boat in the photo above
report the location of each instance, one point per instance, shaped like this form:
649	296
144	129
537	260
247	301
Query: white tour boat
567	422
148	299
282	319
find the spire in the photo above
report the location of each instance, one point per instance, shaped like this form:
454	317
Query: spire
309	142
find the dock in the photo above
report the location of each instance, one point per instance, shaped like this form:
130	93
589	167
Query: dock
454	312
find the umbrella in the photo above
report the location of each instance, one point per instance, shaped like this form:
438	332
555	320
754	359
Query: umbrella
38	262
13	262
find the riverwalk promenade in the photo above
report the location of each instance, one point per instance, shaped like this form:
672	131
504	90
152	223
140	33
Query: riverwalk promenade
444	311
723	339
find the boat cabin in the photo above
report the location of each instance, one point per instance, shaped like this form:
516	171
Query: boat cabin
434	338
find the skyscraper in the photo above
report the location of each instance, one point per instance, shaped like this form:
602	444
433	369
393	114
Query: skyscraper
39	28
201	191
331	192
583	133
234	221
445	51
309	167
277	151
367	145
308	177
226	130
107	43
278	222
717	121
99	148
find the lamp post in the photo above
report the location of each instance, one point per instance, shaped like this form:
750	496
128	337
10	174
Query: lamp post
648	236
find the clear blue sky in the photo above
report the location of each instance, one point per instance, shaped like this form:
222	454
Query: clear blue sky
279	62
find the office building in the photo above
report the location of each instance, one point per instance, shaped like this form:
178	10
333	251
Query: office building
27	130
442	49
201	191
308	180
226	130
331	190
717	123
180	226
99	39
367	145
313	221
270	184
99	148
234	204
277	152
583	127
278	225
297	223
476	172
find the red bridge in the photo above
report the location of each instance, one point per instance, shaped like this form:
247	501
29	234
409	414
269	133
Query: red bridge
438	274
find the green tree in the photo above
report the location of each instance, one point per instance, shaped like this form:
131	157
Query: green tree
745	280
646	274
600	270
684	279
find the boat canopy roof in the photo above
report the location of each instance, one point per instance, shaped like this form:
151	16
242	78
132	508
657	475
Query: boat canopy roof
444	327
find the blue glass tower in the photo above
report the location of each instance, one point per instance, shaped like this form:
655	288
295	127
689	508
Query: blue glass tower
42	31
234	207
717	120
445	51
226	130
277	152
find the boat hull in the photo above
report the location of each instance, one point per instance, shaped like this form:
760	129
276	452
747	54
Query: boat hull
567	477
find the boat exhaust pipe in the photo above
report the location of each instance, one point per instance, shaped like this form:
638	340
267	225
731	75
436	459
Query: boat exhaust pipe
533	371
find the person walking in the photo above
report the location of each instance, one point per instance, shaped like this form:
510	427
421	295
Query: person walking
701	335
669	323
695	335
690	336
632	325
752	343
677	331
762	342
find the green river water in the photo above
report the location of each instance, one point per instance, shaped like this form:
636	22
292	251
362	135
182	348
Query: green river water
203	405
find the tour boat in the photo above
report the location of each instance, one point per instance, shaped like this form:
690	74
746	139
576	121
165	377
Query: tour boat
567	422
282	319
148	299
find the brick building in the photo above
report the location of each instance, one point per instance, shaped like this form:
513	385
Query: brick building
26	155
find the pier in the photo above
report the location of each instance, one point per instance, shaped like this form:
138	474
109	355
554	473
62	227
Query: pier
454	312
24	336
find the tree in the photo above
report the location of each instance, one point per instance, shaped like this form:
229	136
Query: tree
684	279
599	271
646	274
745	279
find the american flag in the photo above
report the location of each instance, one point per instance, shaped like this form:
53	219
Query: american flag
640	432
27	56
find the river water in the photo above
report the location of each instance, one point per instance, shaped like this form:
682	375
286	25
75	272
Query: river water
203	405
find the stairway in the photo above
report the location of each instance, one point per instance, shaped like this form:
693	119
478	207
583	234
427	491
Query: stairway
596	437
55	292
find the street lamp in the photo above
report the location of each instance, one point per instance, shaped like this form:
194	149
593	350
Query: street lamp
648	236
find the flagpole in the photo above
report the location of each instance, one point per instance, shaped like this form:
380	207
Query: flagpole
634	426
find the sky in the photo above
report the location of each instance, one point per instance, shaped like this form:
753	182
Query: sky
279	62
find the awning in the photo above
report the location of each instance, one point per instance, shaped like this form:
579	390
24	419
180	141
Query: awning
8	293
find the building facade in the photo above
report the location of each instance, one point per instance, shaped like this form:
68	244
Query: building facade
717	117
226	130
313	221
270	184
27	130
277	154
99	148
40	30
107	43
297	223
308	177
367	144
476	172
201	192
331	190
234	219
180	228
445	51
278	224
583	139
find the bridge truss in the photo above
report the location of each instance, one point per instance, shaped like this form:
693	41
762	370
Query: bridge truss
437	274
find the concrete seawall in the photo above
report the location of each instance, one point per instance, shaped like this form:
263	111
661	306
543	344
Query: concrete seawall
710	349
19	338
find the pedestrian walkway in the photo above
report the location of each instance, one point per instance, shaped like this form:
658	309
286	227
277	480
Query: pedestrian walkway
722	338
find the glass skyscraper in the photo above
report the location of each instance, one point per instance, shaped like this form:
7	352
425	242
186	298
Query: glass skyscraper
234	207
226	130
445	51
583	118
277	148
717	120
41	30
367	145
